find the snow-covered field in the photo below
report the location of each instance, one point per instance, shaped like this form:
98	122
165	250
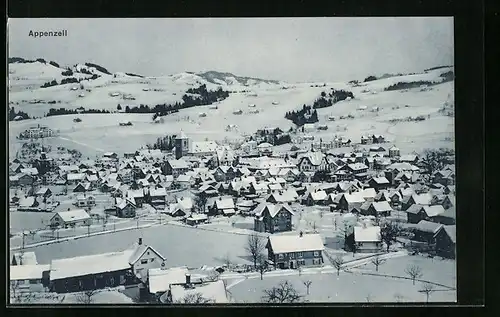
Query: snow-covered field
100	132
345	288
189	246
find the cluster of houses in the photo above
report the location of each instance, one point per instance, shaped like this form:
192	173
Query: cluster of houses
37	132
268	188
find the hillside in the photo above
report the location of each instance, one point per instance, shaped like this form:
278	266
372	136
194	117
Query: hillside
270	101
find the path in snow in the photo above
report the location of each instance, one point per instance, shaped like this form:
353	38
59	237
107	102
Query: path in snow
80	143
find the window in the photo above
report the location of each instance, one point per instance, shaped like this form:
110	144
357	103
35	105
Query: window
360	244
34	281
280	256
299	254
291	255
112	281
153	259
316	253
122	279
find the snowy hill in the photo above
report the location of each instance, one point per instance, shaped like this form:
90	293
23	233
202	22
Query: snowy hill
251	105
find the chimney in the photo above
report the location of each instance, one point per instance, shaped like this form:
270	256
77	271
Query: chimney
140	241
301	234
188	279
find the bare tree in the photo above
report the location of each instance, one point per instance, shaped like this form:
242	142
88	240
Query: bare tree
389	231
212	276
255	247
226	260
86	297
428	289
194	298
283	293
377	261
307	284
414	271
261	265
337	261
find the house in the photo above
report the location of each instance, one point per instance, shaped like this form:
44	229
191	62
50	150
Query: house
184	181
245	207
82	188
25	179
64	219
357	169
394	151
378	138
367	239
265	148
258	188
445	177
208	190
84	201
443	200
182	207
291	251
100	271
446	241
28	203
422	199
273	218
44	192
157	196
223	206
379	183
409	158
137	195
312	162
318	197
176	167
24	258
349	201
448	217
75	178
196	219
160	279
224	173
214	292
125	208
381	208
366	139
287	196
418	212
426	231
29	278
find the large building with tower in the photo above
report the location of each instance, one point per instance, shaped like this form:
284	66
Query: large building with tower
184	146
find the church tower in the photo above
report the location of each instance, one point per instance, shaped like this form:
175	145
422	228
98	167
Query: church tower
181	145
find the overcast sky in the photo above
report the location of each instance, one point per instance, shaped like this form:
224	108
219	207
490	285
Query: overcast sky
289	49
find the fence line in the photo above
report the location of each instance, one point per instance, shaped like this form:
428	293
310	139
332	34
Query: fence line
408	278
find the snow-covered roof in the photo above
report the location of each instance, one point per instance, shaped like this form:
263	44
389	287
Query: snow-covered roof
29	171
422	199
319	195
184	178
357	166
355	197
27	272
214	291
225	203
433	211
78	176
380	180
26	258
381	206
186	203
368	193
160	279
157	192
27	201
90	264
180	163
314	157
296	243
367	234
428	226
452	232
196	217
273	209
73	215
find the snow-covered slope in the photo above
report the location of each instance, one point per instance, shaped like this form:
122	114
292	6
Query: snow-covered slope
101	132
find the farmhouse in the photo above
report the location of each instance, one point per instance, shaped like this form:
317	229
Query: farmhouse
422	199
379	209
223	206
291	251
417	212
273	218
349	201
84	201
29	278
71	218
367	239
125	208
446	242
157	196
379	183
103	270
315	198
426	231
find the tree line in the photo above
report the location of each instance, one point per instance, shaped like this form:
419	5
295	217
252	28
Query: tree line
64	111
13	114
305	115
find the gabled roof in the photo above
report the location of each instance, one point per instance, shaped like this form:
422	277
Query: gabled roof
226	203
157	192
73	215
273	209
139	250
296	243
355	197
27	272
433	211
319	195
381	206
367	234
178	164
380	180
160	279
428	226
451	231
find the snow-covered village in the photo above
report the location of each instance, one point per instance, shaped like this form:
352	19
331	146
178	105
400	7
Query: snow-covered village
214	188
